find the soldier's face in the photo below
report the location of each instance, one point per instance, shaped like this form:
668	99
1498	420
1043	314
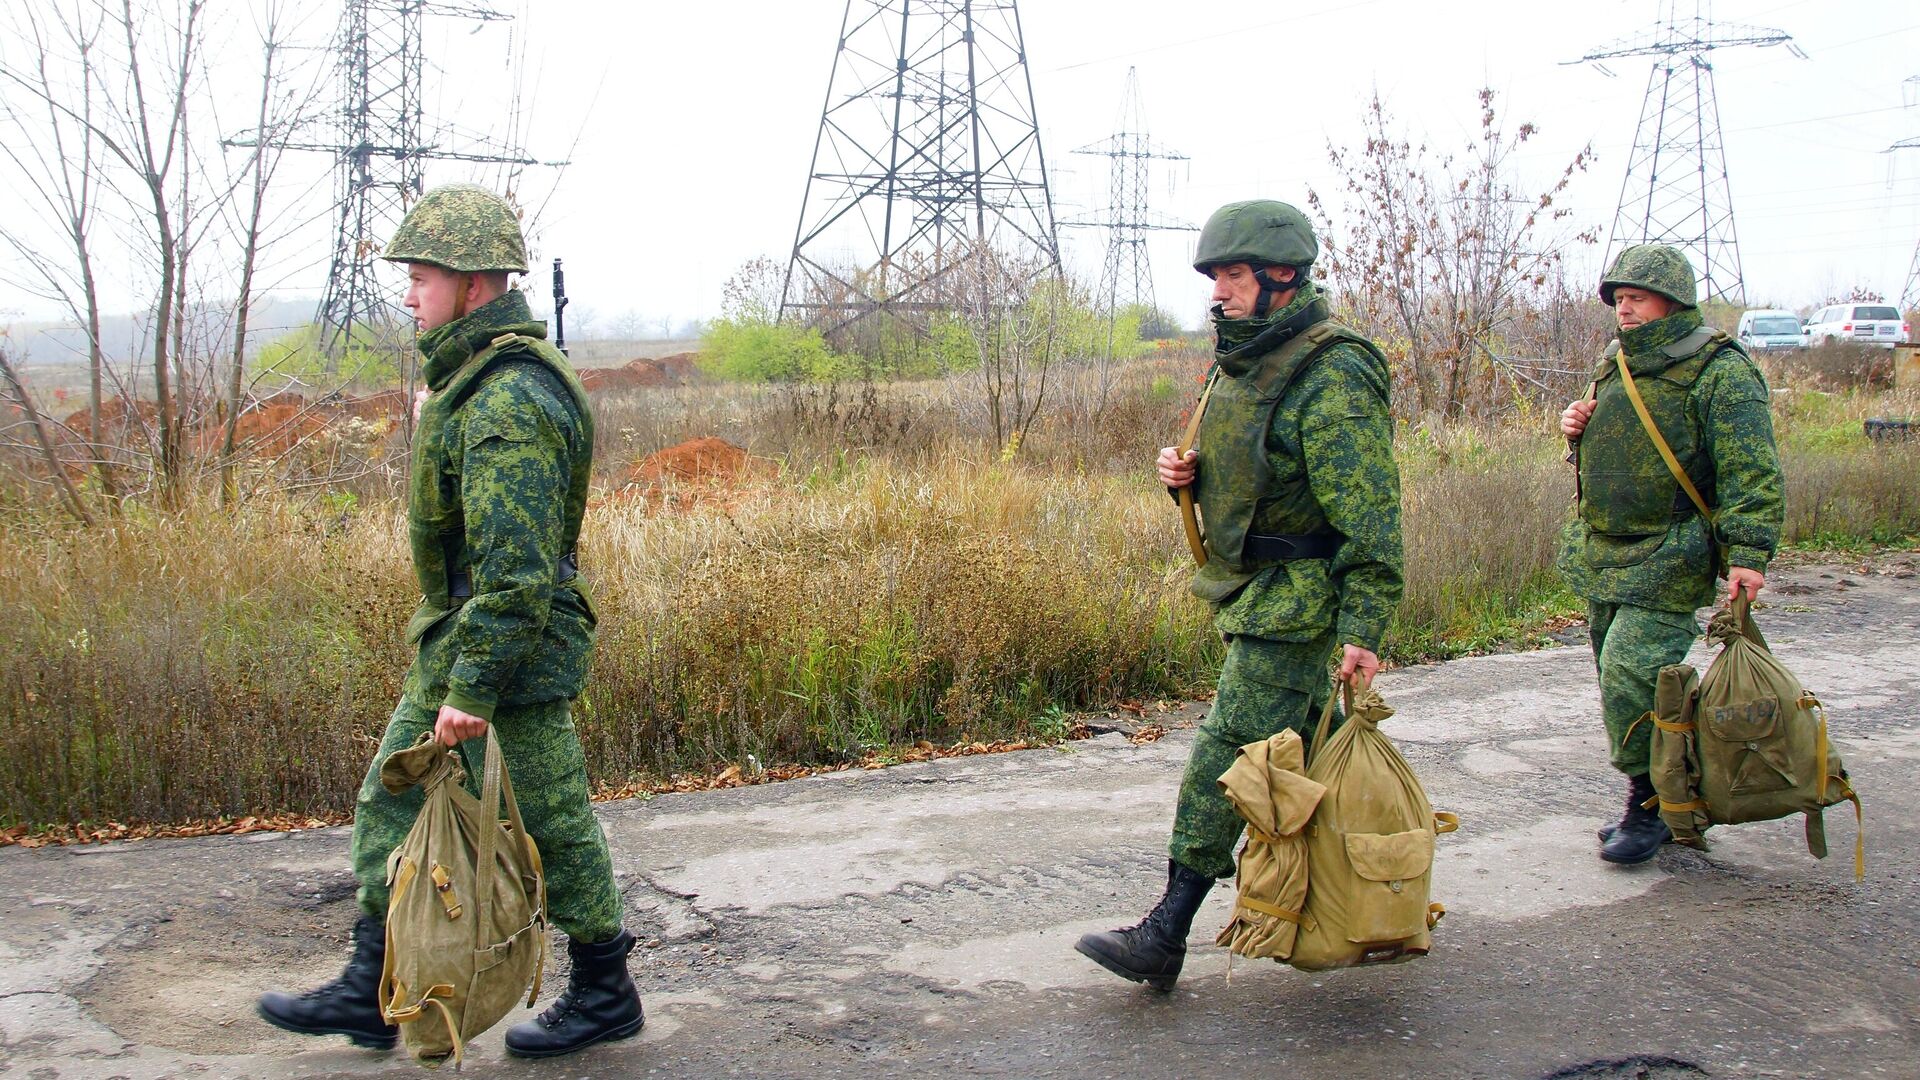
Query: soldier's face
1637	307
1236	290
433	294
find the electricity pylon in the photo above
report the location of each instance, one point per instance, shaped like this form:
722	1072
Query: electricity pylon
1126	277
1675	190
928	147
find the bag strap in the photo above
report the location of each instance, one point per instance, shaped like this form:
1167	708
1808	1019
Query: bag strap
1326	717
1816	825
1185	495
1278	912
1573	446
1659	441
495	787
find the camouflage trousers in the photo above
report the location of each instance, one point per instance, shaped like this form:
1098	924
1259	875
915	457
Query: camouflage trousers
1265	687
1630	646
549	775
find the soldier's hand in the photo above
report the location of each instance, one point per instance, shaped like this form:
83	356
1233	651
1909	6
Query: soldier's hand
419	400
452	725
1574	419
1361	662
1740	578
1176	470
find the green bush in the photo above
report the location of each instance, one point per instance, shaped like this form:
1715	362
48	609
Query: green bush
747	349
366	361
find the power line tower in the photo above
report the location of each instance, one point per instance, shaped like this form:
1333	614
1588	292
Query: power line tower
1910	291
380	148
928	146
1675	190
1126	278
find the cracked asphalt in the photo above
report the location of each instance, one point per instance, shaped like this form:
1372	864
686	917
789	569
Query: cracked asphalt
919	920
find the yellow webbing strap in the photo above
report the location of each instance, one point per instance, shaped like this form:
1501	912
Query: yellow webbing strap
1185	495
403	876
1435	912
1264	908
453	1033
1859	838
1659	441
1641	719
1664	725
1444	822
1808	701
1263	836
1676	807
443	885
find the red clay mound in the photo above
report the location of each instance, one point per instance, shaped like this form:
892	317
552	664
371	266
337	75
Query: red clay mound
706	460
376	406
676	370
270	430
698	470
114	418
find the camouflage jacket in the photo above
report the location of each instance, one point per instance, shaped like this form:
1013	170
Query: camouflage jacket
1721	427
1332	427
501	459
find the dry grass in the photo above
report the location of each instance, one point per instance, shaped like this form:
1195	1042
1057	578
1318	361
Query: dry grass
898	581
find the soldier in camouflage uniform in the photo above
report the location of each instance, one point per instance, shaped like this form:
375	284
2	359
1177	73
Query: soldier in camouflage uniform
1638	550
501	461
1294	475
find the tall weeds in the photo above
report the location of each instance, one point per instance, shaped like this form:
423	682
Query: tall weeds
902	584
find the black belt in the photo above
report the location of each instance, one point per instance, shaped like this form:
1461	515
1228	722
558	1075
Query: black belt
1290	546
460	583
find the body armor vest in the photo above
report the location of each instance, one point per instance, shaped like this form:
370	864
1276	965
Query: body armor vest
1237	487
1626	489
436	520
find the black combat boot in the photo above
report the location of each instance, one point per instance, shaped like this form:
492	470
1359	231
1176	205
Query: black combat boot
599	1003
1639	835
349	1005
1153	951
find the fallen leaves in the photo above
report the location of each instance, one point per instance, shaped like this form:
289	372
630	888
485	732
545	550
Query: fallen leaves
107	831
732	776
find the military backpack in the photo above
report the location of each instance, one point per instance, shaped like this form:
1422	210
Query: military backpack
1744	742
1337	868
466	918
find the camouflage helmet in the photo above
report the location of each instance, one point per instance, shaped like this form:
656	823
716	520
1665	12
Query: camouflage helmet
461	227
1258	232
1654	267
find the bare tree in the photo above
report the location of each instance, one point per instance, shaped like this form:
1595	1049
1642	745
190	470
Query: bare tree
1011	306
57	163
55	470
266	143
155	144
148	138
1445	259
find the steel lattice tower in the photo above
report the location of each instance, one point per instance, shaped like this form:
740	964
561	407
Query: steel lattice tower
380	149
1126	277
1910	291
1675	190
928	145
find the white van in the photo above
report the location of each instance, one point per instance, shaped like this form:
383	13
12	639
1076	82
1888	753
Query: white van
1769	328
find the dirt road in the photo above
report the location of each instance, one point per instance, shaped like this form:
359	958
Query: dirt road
920	920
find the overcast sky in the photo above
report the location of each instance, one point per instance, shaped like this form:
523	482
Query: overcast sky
689	126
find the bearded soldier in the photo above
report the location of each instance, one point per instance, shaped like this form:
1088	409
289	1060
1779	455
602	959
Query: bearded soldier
1294	474
501	460
1644	549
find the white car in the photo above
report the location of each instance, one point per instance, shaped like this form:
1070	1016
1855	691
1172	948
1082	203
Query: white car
1866	324
1763	329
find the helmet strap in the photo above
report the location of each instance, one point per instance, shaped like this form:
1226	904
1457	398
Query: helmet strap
460	297
1270	290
